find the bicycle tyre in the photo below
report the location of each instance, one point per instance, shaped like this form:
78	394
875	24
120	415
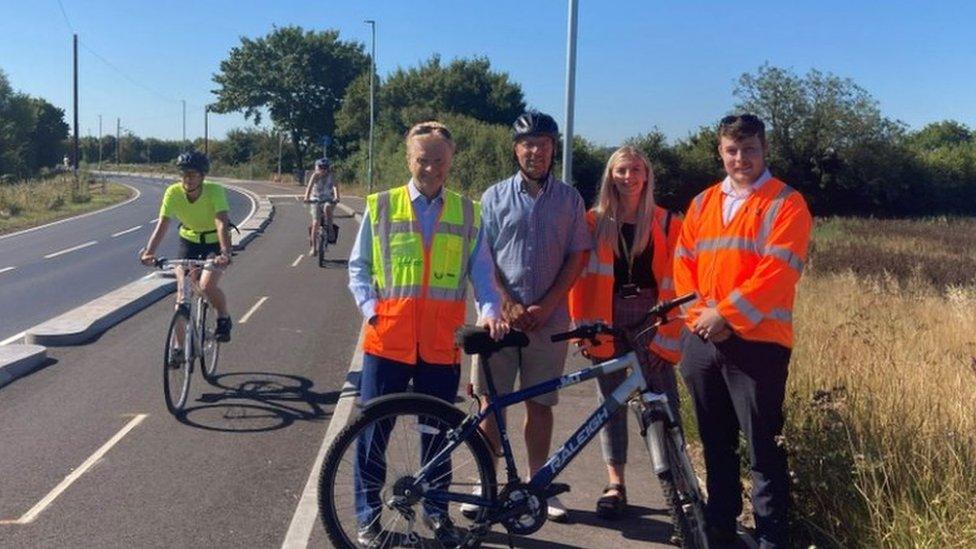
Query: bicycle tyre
683	498
209	346
400	406
176	379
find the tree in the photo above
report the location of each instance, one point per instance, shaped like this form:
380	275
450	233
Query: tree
825	133
466	86
941	134
297	77
47	136
352	120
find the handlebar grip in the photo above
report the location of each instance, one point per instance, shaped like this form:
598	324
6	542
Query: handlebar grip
555	338
159	262
678	301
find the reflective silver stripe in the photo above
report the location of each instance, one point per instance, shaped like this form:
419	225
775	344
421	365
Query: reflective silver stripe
668	343
771	213
743	306
594	267
787	256
464	231
666	284
681	251
399	292
727	243
783	315
383	231
467	221
696	204
446	294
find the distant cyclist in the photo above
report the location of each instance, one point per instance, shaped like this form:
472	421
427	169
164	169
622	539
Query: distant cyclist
325	192
201	209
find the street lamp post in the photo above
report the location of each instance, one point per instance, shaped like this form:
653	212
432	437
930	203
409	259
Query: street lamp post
570	92
372	102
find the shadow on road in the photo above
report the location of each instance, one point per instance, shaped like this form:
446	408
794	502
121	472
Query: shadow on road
248	402
336	264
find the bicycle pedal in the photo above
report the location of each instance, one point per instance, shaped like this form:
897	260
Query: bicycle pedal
556	488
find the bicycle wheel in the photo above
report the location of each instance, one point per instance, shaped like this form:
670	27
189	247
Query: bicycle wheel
680	487
390	441
209	346
177	366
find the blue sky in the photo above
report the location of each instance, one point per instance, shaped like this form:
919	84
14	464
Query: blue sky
641	64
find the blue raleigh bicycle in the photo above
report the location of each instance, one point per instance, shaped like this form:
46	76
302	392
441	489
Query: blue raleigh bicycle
399	473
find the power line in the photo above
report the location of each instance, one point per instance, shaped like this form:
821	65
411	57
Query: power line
65	14
131	80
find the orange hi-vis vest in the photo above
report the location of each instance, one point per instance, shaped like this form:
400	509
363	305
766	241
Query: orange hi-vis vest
591	298
749	268
420	288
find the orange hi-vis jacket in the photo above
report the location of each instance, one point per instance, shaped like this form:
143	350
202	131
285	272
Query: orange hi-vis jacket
749	268
591	297
420	287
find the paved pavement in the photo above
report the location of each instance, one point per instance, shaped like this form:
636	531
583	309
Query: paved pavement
232	471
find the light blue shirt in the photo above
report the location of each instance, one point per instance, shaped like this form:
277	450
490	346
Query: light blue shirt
733	198
531	237
480	271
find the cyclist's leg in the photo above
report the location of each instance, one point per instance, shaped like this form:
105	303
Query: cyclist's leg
209	281
380	376
313	211
441	381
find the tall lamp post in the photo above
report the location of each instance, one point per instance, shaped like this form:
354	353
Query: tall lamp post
372	102
570	92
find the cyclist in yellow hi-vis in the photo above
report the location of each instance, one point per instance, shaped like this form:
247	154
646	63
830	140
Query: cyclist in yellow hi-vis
417	246
201	209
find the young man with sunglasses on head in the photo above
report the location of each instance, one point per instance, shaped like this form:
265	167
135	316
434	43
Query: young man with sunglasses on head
742	248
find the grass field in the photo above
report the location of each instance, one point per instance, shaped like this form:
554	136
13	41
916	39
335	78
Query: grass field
881	404
35	202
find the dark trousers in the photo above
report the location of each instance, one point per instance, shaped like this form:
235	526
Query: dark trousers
739	384
382	376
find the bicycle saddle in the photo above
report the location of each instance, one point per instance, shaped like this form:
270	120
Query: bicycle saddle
476	340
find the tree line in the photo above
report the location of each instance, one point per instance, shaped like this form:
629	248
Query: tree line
828	137
32	133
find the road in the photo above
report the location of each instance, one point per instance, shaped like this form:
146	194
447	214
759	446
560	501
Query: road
53	269
232	471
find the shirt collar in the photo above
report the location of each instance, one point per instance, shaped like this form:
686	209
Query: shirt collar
415	193
519	180
730	190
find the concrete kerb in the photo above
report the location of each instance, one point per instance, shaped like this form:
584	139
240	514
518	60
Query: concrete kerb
88	321
19	360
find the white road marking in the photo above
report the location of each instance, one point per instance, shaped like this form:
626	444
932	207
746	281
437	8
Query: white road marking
303	521
293	263
74	248
5	269
13	338
151	221
36	510
270	196
127	231
251	311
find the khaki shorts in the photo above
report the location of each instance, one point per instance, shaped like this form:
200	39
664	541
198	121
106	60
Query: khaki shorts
542	360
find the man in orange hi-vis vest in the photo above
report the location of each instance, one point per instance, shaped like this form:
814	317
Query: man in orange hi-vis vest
742	249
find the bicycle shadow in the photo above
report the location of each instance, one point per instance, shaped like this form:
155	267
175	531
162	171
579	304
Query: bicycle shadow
249	402
638	524
336	264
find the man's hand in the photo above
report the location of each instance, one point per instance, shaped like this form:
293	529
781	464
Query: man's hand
711	326
514	313
497	328
539	315
222	260
146	258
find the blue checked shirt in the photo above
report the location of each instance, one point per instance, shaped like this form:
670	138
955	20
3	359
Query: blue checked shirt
530	238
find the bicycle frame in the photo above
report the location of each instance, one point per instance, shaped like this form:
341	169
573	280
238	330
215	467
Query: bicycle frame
574	444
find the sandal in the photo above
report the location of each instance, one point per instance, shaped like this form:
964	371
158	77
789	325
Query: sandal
611	506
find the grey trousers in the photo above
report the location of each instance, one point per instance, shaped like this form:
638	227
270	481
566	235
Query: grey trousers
613	436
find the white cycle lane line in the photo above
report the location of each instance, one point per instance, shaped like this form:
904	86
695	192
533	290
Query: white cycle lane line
252	310
47	500
71	249
5	269
127	231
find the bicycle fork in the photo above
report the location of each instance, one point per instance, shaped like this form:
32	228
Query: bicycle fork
653	415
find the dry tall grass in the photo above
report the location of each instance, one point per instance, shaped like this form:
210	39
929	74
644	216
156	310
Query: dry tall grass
33	202
882	393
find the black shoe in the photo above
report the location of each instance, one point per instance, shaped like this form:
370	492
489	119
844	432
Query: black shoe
222	333
444	530
721	538
183	309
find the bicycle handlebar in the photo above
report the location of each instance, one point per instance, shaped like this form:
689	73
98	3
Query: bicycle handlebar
162	263
590	331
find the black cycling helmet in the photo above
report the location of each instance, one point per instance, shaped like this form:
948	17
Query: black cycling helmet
323	163
193	160
535	123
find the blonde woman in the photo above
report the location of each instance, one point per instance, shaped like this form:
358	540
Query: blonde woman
627	273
